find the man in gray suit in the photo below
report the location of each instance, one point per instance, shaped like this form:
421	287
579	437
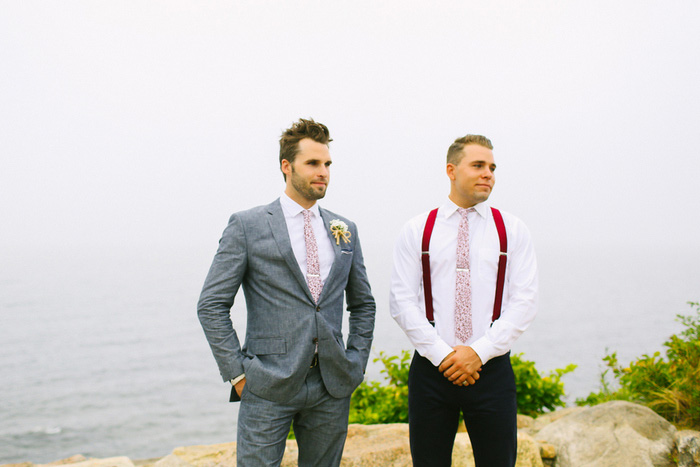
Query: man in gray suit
296	262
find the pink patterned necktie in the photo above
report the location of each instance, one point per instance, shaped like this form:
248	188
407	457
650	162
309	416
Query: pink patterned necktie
463	291
313	267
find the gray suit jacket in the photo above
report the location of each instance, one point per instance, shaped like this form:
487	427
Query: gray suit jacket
284	323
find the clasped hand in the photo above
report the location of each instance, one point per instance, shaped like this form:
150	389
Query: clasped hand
461	366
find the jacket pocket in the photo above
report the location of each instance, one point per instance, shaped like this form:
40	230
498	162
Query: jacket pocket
267	346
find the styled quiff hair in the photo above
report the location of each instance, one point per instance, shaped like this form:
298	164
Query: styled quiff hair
456	151
289	141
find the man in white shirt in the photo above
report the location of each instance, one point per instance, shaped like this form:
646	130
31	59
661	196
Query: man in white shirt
462	360
296	263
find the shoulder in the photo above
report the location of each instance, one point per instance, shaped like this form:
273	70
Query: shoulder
411	232
416	224
256	212
515	227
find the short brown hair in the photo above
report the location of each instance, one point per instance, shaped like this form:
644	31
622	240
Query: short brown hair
456	150
289	141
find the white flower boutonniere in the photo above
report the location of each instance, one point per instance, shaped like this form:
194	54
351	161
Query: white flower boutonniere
339	229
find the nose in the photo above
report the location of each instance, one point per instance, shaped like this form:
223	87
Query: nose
325	171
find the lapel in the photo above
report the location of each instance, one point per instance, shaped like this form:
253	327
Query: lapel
336	248
278	227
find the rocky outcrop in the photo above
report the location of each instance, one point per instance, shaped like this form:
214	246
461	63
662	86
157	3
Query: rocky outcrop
366	446
613	434
688	446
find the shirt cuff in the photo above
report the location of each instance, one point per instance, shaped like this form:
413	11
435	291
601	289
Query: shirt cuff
484	349
437	353
237	379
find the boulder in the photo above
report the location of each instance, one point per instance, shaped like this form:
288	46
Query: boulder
688	445
366	445
528	452
373	445
68	460
80	461
613	434
201	456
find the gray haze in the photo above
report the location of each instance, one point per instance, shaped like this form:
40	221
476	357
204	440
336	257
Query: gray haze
148	123
141	126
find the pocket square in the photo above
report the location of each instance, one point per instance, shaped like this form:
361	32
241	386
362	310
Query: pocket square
346	252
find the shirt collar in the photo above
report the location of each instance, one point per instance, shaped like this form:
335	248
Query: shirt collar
450	208
291	208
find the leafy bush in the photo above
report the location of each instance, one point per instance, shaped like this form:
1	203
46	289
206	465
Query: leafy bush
538	393
670	387
373	402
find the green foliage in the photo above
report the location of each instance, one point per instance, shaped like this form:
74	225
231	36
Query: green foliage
538	393
373	403
670	386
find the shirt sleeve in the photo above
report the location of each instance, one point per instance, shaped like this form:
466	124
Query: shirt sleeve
519	296
406	295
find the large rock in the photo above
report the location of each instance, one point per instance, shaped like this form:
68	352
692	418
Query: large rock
528	452
688	445
204	456
532	425
366	446
80	461
374	445
614	434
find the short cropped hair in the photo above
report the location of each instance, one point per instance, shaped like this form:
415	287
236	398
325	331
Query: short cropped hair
456	150
289	141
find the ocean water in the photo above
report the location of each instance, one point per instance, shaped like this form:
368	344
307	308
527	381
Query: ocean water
102	353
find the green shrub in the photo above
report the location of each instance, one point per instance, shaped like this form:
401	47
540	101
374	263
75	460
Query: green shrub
538	393
670	387
373	402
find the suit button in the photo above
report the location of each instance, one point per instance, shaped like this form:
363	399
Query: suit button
315	340
318	308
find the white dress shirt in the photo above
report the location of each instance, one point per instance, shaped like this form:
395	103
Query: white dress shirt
294	218
407	302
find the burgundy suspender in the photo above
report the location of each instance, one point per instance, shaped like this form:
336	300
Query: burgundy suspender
502	257
425	258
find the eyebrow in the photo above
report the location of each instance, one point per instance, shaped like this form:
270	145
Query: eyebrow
317	161
493	165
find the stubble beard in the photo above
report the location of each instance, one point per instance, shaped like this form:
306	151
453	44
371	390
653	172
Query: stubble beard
305	189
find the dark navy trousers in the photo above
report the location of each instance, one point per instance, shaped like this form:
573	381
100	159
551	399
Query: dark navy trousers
489	408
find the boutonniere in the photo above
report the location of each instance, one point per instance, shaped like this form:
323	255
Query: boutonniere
339	229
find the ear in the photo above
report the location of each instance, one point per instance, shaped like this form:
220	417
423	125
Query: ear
450	170
286	167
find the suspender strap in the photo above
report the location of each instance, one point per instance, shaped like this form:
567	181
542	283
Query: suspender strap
425	258
502	257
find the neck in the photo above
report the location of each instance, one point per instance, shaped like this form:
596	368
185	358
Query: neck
461	202
300	200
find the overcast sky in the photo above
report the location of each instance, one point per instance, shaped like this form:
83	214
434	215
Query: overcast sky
133	122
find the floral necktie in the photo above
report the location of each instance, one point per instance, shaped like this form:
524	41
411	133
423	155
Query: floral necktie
463	291
313	267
